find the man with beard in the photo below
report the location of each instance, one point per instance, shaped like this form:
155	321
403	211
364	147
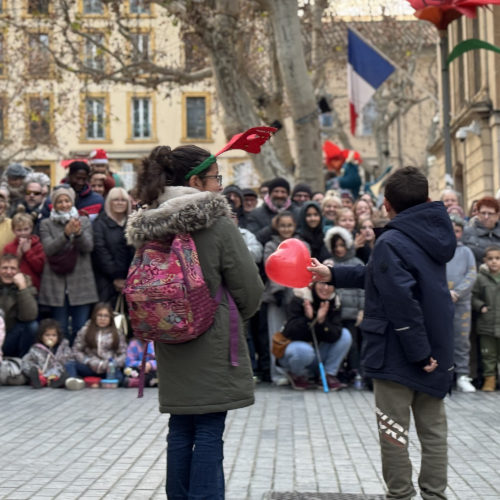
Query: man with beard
278	199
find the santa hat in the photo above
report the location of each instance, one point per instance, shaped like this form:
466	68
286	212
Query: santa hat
98	156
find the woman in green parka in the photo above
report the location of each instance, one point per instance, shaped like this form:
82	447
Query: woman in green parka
180	191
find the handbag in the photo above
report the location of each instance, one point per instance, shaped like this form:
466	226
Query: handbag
279	343
120	316
63	262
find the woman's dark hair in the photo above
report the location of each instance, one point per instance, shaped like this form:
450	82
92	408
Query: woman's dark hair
167	167
406	188
335	239
49	324
92	329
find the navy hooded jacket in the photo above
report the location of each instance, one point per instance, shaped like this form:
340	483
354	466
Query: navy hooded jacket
408	310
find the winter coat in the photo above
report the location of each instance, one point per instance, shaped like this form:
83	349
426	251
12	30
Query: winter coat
197	377
478	238
18	305
79	284
32	261
2	336
408	309
97	358
298	325
486	292
313	237
111	256
253	244
135	353
6	234
461	272
48	361
353	299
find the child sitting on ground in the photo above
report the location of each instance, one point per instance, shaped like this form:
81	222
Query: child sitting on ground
486	301
27	247
133	362
97	343
45	363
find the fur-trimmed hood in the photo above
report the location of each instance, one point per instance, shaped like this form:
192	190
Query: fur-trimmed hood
342	232
181	210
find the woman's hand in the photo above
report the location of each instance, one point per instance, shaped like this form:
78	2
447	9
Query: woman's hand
308	309
73	226
323	311
319	271
359	241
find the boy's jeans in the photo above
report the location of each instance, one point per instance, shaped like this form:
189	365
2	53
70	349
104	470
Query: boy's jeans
393	402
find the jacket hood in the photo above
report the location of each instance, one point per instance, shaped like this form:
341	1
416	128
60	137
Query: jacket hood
181	210
343	233
429	226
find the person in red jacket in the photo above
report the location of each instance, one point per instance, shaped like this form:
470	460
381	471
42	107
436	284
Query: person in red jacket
27	247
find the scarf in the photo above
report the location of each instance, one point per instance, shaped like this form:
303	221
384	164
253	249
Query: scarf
63	217
274	208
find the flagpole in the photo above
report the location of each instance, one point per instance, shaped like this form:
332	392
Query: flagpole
397	66
445	93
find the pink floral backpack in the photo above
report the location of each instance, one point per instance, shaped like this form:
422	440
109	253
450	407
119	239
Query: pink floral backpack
166	293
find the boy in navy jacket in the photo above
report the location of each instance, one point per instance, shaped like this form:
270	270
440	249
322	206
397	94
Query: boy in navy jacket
407	331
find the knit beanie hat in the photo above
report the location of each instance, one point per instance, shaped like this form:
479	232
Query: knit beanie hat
233	188
16	170
302	187
62	189
278	182
249	192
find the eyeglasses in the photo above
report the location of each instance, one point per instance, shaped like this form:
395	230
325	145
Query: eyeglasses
218	178
34	193
488	214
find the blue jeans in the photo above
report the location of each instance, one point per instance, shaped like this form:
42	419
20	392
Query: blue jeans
300	357
194	457
20	338
79	370
79	315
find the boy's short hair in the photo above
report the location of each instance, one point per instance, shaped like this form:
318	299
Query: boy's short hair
406	188
7	257
21	219
491	248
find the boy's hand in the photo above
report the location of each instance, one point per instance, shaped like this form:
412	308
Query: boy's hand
319	271
484	309
20	281
454	295
433	364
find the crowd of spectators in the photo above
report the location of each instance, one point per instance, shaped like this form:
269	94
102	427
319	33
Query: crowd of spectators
64	260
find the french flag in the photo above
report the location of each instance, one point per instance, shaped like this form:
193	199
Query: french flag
366	71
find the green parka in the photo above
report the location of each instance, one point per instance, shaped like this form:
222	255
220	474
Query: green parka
197	377
486	292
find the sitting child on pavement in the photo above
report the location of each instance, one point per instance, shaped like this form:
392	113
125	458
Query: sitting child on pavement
45	363
136	350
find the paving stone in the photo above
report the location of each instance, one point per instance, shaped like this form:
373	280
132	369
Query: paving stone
288	446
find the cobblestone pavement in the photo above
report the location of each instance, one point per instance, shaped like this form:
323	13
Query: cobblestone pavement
290	445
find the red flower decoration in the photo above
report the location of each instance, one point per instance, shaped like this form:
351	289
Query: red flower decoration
443	12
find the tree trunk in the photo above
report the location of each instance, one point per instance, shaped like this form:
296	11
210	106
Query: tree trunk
299	90
222	41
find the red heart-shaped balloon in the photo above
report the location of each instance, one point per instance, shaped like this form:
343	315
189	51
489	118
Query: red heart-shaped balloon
287	265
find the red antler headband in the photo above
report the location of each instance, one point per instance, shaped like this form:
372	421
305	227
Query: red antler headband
249	141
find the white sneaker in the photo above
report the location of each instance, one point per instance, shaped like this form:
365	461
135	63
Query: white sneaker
74	384
464	385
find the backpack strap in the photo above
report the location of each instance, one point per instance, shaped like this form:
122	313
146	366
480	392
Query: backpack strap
233	324
140	390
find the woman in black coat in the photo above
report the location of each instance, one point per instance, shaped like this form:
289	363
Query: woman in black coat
112	256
